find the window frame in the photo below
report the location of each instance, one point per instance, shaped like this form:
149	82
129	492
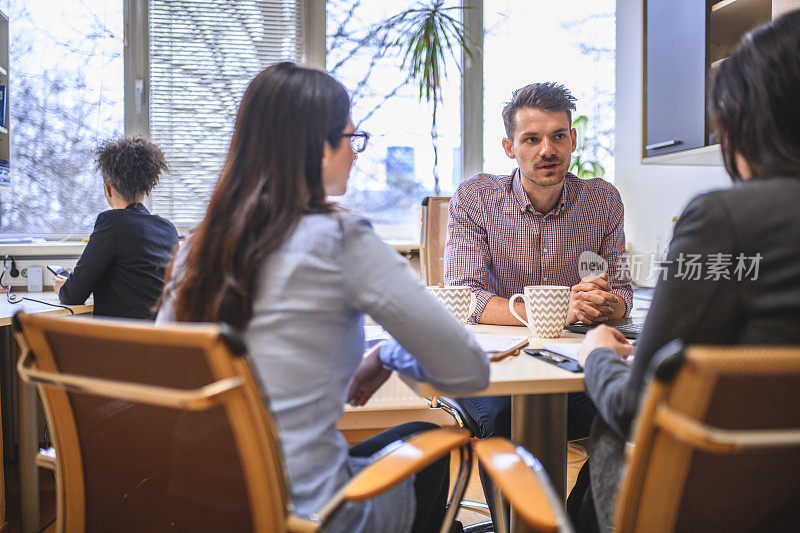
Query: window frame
137	60
471	74
136	82
314	53
128	20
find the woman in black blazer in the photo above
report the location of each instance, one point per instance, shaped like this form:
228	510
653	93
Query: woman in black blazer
123	262
748	288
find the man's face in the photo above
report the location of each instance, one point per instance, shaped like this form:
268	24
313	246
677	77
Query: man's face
542	144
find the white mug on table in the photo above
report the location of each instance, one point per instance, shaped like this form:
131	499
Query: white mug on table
546	307
459	300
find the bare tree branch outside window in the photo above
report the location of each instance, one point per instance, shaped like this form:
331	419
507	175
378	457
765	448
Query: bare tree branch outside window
65	97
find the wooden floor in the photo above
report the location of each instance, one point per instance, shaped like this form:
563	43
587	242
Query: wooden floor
575	459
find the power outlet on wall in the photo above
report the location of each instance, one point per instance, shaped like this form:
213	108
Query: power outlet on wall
21	281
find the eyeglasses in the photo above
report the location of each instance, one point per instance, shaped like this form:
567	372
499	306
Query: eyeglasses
358	140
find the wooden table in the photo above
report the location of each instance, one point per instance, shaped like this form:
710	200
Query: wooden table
27	405
7	310
538	393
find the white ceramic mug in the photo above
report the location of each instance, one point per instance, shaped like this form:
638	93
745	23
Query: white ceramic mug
546	307
457	299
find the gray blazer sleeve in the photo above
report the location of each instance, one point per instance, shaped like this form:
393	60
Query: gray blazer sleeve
379	283
694	310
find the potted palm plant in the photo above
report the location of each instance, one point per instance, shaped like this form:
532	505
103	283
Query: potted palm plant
430	35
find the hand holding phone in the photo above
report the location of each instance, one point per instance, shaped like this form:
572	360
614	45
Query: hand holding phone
58	270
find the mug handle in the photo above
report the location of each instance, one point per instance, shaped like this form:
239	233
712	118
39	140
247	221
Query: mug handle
511	308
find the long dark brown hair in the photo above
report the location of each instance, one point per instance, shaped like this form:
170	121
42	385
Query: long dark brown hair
754	101
271	177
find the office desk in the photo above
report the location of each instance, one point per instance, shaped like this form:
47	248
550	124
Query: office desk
7	310
538	393
27	405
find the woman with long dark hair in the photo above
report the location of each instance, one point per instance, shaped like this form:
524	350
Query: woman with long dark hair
749	231
274	258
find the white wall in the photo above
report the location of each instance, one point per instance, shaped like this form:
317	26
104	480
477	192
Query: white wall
783	6
652	193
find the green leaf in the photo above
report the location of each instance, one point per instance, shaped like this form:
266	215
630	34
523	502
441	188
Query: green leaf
434	34
579	124
429	36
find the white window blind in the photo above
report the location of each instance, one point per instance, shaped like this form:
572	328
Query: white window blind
203	53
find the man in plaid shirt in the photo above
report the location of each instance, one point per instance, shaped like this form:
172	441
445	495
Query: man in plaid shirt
529	228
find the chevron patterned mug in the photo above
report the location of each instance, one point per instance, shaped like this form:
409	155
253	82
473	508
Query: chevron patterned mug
458	300
546	307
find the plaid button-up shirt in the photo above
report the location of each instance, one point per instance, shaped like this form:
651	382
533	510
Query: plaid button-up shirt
497	243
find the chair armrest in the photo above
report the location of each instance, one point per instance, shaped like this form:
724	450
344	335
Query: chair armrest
528	491
199	399
298	524
394	463
401	459
452	407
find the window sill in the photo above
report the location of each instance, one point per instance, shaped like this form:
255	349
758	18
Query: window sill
74	248
403	246
44	249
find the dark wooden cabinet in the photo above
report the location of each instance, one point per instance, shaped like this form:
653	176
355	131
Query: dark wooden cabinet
684	41
675	75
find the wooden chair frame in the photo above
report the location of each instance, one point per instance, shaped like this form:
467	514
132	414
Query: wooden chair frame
691	374
519	478
236	389
431	254
433	239
646	502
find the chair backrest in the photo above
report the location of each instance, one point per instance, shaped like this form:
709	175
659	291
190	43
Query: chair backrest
155	428
433	238
717	444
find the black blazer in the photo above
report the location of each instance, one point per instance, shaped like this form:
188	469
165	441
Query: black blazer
123	263
752	217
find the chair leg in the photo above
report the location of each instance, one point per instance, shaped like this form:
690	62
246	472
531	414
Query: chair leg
500	511
476	507
469	505
464	471
480	527
480	508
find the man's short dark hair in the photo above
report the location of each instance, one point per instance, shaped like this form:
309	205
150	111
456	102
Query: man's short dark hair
547	96
131	165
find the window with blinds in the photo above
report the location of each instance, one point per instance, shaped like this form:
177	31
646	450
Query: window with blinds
203	53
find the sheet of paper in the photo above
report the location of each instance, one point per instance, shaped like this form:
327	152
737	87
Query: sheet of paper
499	343
491	344
570	349
567	349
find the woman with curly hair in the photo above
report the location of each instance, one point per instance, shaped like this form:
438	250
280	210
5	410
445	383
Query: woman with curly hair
123	262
